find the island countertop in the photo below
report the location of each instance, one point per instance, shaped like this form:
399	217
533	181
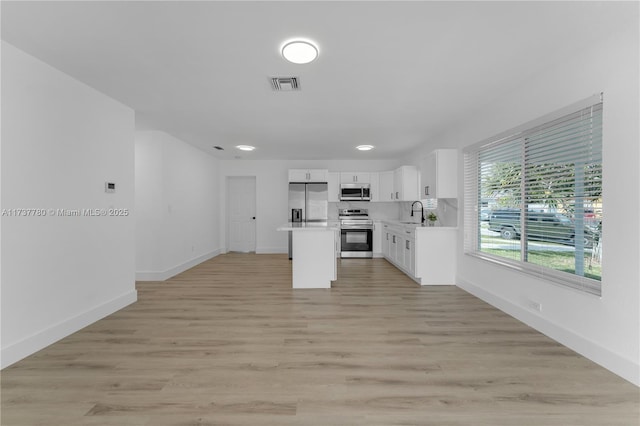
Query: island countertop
332	225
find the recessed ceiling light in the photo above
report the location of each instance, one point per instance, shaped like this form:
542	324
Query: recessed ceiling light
245	147
365	147
299	51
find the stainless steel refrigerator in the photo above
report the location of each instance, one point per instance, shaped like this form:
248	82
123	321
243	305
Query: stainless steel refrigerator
308	202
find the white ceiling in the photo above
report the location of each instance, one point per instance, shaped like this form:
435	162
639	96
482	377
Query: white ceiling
390	74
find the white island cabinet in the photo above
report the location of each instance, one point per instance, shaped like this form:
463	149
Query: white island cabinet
314	263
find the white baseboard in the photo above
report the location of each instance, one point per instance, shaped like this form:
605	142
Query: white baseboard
623	367
272	250
32	344
172	272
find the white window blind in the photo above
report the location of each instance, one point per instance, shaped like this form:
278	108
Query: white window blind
533	197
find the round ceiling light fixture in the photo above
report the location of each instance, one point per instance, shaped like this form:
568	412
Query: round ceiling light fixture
245	147
300	51
365	147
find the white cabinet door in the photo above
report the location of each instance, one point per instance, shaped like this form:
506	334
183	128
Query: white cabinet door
406	182
386	242
409	255
352	177
386	190
399	246
377	237
428	172
439	174
297	175
318	175
393	252
308	175
375	186
333	187
397	184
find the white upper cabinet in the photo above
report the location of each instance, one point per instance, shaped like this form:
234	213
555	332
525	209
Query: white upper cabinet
308	175
350	177
386	190
333	187
375	186
439	174
406	182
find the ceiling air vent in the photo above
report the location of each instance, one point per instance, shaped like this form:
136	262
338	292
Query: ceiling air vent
285	84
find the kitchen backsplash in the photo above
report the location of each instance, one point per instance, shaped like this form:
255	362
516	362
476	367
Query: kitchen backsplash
447	210
380	211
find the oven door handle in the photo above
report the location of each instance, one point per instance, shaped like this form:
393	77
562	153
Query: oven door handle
356	227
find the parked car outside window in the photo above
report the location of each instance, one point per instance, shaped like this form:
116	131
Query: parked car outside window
540	226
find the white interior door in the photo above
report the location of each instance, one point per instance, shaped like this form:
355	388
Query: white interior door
241	213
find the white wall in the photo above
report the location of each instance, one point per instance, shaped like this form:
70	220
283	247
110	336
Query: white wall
272	192
61	141
177	206
606	329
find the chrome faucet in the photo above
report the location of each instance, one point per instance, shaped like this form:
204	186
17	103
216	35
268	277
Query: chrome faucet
421	210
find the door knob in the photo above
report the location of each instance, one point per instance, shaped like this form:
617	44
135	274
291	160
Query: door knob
254	218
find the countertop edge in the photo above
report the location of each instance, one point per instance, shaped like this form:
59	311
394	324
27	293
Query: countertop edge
309	226
416	226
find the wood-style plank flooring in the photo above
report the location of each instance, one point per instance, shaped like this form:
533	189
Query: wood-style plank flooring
230	343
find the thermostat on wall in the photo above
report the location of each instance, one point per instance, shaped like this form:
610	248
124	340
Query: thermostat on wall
109	187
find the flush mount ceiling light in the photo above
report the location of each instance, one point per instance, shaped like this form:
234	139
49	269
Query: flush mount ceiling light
245	147
299	51
365	147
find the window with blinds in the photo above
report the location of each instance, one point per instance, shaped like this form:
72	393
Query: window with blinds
533	197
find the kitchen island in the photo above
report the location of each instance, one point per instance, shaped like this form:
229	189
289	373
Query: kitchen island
314	253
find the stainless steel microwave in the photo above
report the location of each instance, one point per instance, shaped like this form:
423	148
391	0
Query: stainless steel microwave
355	192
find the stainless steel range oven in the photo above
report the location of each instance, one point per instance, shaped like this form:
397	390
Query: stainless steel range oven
356	233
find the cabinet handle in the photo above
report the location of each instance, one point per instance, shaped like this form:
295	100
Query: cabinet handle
392	195
426	190
407	245
397	196
394	239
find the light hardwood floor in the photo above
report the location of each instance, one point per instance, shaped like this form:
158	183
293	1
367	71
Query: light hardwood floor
230	343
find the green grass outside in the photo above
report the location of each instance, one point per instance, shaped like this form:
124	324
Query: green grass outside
559	261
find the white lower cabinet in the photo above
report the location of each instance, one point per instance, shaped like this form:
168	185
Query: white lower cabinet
436	255
409	261
377	239
385	241
399	249
394	238
427	255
